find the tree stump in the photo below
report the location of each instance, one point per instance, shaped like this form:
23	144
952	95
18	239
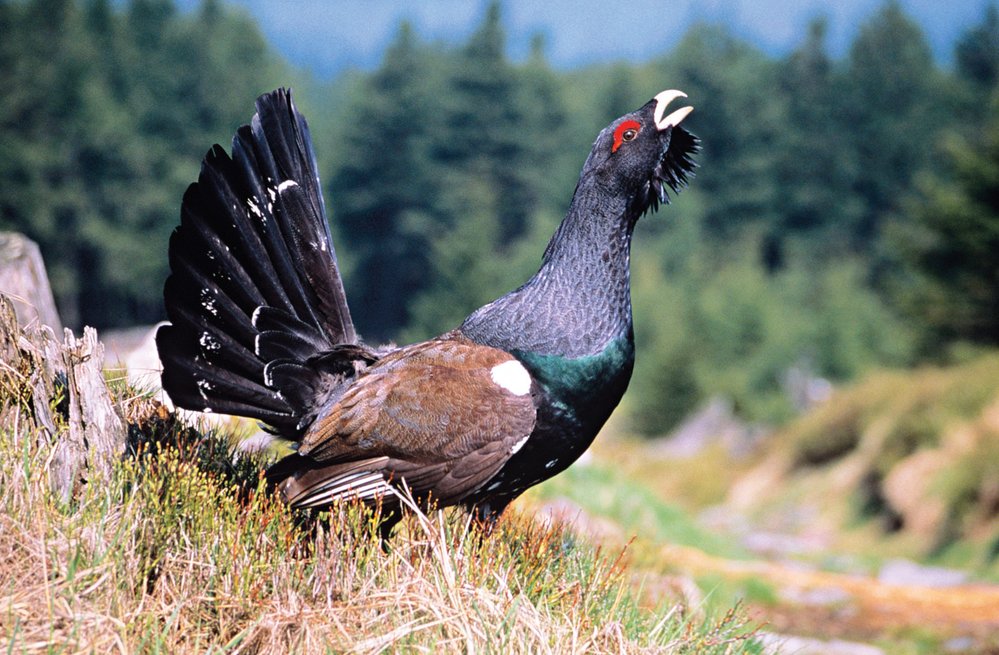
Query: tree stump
23	279
96	432
93	435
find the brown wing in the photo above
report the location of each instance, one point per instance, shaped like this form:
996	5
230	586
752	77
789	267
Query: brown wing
443	415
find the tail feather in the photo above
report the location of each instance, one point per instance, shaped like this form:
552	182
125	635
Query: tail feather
311	240
201	248
248	232
289	157
199	385
214	345
254	280
298	382
283	336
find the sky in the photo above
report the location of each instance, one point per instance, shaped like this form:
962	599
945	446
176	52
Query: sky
327	36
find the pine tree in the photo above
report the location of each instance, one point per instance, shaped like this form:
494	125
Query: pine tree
107	112
814	174
895	98
739	135
977	52
488	131
387	186
950	246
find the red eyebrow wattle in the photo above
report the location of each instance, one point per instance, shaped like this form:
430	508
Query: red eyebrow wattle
621	129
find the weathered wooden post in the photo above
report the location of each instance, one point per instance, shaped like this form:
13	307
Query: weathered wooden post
96	433
23	279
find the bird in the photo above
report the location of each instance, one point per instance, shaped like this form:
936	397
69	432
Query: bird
259	327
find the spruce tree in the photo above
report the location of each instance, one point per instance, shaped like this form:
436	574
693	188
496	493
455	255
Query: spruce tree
950	244
385	190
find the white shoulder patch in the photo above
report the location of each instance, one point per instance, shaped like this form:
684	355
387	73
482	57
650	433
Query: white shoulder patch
513	377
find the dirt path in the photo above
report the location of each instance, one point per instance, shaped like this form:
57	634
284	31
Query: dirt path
865	606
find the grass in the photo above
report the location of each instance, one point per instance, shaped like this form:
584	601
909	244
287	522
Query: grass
602	491
182	550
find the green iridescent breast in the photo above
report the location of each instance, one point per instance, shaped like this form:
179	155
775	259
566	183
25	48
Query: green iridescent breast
589	386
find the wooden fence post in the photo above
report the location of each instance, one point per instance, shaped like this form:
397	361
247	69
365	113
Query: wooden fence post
23	279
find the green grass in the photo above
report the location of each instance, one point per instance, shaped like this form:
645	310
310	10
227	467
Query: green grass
721	590
601	491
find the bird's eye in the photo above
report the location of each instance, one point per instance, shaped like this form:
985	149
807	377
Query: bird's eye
626	131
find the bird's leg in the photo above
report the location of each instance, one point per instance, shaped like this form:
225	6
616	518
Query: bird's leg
487	513
388	519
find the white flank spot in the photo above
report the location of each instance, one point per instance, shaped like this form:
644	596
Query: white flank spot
520	444
551	463
513	377
287	183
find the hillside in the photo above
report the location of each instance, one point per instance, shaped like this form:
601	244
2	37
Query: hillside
176	546
908	457
637	549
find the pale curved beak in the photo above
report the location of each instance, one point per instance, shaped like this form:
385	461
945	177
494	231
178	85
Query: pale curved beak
672	119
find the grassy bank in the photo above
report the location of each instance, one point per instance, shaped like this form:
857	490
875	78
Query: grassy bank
181	549
909	459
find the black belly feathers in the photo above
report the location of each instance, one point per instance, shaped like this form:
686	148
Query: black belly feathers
260	327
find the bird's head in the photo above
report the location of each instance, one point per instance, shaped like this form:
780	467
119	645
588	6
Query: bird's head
645	154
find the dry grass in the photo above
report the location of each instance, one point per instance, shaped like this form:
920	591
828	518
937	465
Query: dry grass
183	550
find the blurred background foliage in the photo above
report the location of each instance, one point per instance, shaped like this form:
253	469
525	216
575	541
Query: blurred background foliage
845	215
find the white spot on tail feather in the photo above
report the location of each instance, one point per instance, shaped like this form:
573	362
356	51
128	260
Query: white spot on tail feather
287	183
204	388
251	204
209	342
208	301
512	376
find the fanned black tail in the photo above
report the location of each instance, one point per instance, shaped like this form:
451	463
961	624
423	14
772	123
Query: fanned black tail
259	319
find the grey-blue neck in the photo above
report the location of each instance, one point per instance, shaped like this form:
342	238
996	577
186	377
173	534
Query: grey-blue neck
580	299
